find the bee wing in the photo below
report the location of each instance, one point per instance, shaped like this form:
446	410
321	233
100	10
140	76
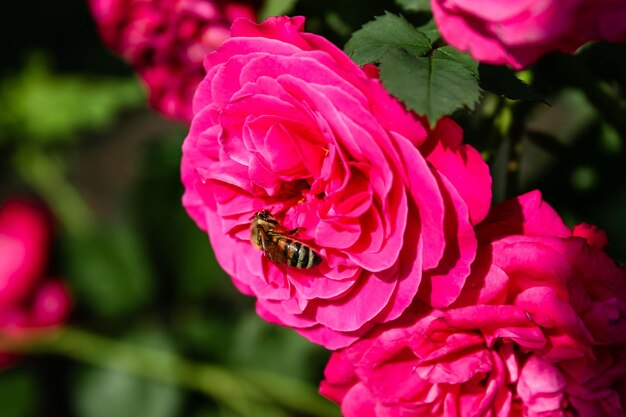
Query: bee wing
279	230
271	248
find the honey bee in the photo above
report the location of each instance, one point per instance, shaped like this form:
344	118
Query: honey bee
273	239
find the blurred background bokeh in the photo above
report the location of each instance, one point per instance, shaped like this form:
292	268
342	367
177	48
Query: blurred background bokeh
76	135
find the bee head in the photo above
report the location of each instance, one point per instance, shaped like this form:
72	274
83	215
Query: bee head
265	216
261	220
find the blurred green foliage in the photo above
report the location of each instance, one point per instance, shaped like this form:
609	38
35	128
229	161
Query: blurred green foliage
109	273
17	392
78	135
100	392
78	102
414	5
276	8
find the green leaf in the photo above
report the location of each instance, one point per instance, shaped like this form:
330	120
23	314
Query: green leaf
464	59
434	85
276	8
501	81
18	393
414	5
375	38
431	31
432	81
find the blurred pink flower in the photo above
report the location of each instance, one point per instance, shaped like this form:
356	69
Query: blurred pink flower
28	304
538	330
519	32
286	122
166	41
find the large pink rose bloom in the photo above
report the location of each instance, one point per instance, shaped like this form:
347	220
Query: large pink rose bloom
519	32
28	304
537	331
166	41
286	122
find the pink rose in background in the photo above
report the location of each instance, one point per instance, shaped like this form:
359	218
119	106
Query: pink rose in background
426	366
538	330
563	279
519	32
447	364
572	290
286	122
571	390
166	41
28	303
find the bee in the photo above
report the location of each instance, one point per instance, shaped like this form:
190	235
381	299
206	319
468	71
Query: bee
275	242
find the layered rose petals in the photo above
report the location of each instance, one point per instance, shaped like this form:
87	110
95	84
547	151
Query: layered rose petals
537	331
286	122
28	304
448	364
421	368
571	291
519	32
166	41
563	280
569	389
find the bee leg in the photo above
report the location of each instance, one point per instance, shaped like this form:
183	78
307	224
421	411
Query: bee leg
294	231
262	237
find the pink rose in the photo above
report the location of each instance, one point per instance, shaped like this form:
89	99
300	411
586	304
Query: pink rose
427	366
538	330
563	280
452	364
286	122
519	32
166	41
572	291
569	389
28	304
442	364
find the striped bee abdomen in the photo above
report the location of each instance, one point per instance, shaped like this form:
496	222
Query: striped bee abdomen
298	254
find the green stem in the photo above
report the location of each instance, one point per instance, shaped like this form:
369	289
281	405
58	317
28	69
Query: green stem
46	175
515	135
492	123
292	394
243	392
